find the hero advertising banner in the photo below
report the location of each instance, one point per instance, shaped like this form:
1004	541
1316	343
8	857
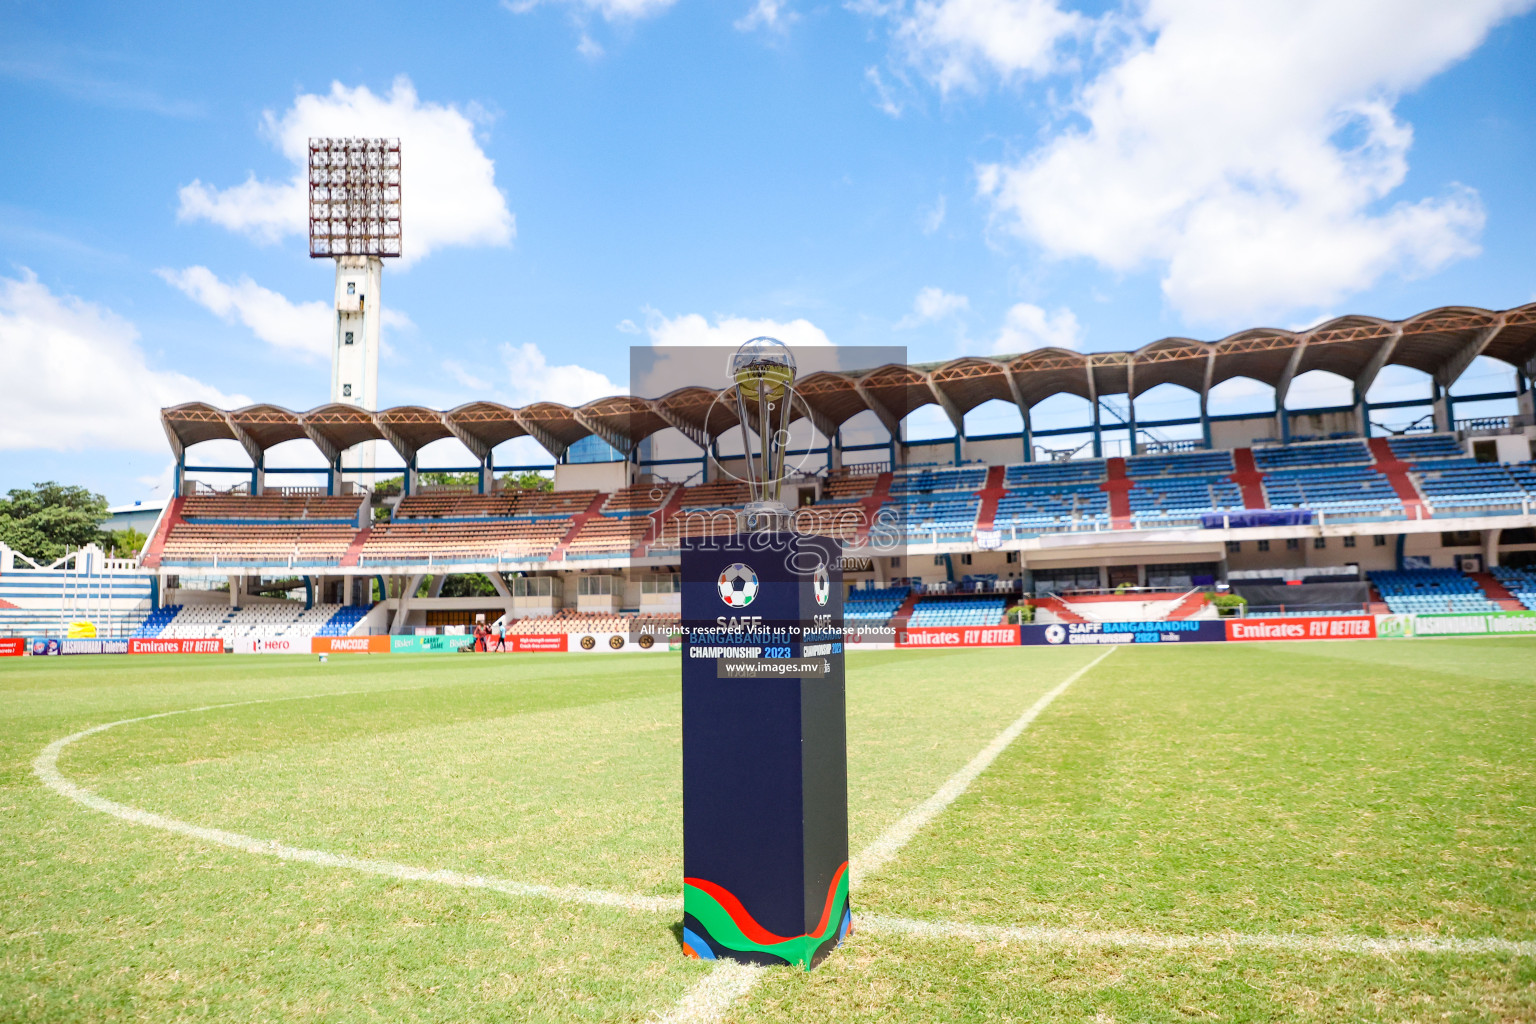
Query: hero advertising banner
1069	634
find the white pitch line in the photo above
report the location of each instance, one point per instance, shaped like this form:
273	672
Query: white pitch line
1220	941
46	767
889	843
703	1003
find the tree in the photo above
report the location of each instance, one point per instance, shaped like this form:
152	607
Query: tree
127	543
49	519
529	481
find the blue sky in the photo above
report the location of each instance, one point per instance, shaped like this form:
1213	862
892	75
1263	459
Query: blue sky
952	176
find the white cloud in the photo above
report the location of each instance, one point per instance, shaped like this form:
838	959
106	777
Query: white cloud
954	43
448	184
611	10
933	217
531	378
773	15
77	377
627	326
1029	327
301	328
1246	150
934	304
730	331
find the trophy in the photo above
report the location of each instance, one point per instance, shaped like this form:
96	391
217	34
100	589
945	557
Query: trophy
764	372
764	715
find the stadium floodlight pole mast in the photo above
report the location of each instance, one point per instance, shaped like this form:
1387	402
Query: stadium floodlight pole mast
354	218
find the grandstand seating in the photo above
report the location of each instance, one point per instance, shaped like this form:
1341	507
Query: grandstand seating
156	621
608	535
490	540
1431	590
266	529
288	620
720	494
1519	582
958	611
636	500
1051	506
1419	447
842	521
842	487
1182	496
458	505
1326	453
1337	488
1463	483
874	605
951	478
337	509
1197	463
568	620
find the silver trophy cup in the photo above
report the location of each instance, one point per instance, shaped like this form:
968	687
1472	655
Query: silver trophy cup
764	373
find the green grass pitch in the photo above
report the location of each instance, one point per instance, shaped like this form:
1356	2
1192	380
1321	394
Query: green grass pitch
1198	801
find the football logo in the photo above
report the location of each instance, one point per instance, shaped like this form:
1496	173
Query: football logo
1055	634
587	643
616	642
646	641
821	585
738	585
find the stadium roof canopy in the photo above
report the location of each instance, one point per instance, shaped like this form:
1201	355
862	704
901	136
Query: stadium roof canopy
1441	342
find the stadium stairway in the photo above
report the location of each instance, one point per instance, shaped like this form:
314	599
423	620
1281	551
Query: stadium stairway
1118	487
1396	472
668	509
871	505
1248	478
991	494
899	620
156	545
1055	607
355	549
1191	603
593	510
1497	592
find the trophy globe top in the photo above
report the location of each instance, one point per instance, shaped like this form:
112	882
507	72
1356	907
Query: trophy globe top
763	366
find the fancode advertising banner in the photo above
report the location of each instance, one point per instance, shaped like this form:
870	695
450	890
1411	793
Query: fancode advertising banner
1069	634
1464	625
349	645
12	646
959	636
1332	627
158	645
271	645
430	644
541	642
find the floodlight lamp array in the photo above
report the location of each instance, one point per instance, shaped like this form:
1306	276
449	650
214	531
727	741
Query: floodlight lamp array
354	197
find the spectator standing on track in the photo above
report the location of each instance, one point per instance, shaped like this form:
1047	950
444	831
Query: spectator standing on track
501	637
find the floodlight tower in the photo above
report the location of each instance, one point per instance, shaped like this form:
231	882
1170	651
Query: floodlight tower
354	218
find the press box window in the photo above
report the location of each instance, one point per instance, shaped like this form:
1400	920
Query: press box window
1349	541
1319	543
1263	545
1234	547
1293	544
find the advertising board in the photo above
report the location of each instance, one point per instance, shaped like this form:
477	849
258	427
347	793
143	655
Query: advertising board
539	642
349	645
1473	625
271	645
12	646
1068	634
959	636
161	645
429	644
91	646
1329	627
616	643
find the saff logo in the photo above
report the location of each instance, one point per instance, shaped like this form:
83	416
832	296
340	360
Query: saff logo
821	585
1055	634
738	585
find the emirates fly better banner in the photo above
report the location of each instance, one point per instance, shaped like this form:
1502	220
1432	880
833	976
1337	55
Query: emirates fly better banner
960	636
1332	627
